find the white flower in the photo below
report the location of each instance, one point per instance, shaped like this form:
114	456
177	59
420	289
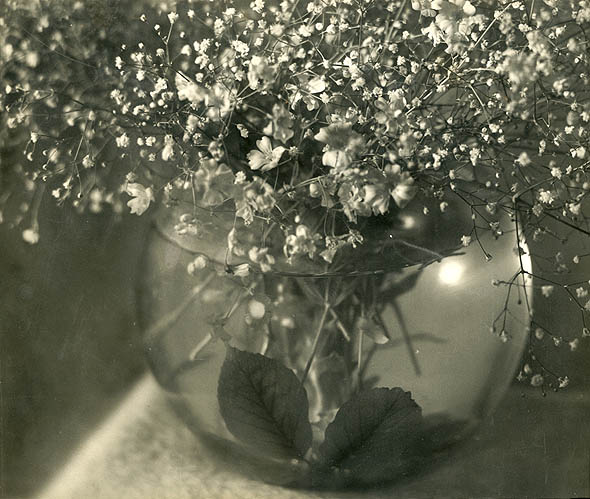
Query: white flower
241	270
243	130
546	197
316	85
87	162
344	144
454	20
302	242
403	190
172	17
160	85
261	74
377	197
142	197
188	90
257	6
523	159
256	309
261	257
31	235
199	263
168	150
240	47
122	141
214	181
220	101
265	158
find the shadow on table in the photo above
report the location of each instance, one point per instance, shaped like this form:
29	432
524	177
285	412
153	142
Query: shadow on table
69	343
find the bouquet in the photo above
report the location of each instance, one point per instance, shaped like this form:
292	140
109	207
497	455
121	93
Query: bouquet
312	131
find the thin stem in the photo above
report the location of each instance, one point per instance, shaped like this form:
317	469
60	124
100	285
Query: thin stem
368	358
407	338
359	369
520	249
202	344
341	327
437	257
316	342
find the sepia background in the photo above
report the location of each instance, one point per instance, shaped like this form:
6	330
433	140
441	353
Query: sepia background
70	348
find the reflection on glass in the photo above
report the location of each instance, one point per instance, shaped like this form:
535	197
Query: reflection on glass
450	273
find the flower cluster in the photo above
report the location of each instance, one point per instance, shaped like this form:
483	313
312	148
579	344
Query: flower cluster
305	120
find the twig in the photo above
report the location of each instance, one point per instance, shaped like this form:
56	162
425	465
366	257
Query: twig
202	344
316	342
359	369
333	313
407	338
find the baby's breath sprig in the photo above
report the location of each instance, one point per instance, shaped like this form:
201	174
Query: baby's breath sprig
306	120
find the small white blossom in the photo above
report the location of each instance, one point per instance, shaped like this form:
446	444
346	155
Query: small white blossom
266	157
141	197
31	235
537	380
200	262
172	17
523	159
122	140
546	197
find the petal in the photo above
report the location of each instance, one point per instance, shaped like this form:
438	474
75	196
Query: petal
322	136
265	145
277	153
402	194
256	160
134	189
336	159
468	9
316	85
138	205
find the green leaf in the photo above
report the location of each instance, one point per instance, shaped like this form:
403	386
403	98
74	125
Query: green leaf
264	405
375	436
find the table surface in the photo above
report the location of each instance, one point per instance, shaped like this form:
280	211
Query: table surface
533	446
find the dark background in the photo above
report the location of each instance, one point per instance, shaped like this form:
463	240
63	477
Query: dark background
69	342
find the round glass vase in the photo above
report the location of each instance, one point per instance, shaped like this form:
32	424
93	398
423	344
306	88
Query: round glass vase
315	377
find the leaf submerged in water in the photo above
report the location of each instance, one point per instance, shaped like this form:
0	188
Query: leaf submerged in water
374	436
264	405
